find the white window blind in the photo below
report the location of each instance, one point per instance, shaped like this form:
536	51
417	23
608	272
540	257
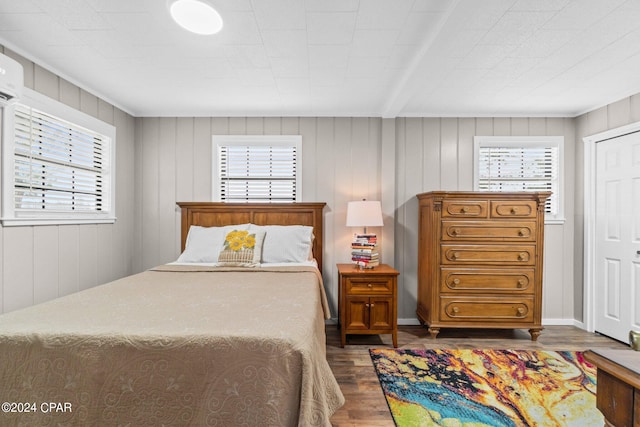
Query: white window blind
257	168
520	164
58	165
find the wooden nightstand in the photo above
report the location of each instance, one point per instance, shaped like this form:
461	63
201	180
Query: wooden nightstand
618	378
367	301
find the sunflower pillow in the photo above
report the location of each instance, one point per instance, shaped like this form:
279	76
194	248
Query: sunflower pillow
242	248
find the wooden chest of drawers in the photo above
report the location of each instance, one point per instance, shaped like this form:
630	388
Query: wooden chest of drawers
480	260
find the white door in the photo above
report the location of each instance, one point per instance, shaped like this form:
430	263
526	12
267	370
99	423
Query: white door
617	240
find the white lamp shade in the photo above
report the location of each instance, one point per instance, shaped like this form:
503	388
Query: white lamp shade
364	213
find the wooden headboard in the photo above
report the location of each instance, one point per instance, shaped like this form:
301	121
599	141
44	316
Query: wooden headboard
216	214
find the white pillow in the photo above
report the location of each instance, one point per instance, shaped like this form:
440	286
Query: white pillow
286	243
205	243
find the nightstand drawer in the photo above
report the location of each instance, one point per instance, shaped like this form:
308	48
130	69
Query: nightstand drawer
489	230
369	285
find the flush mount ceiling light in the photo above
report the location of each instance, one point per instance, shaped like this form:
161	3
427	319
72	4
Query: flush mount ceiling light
196	16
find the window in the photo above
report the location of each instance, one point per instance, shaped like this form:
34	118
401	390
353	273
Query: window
257	168
521	164
57	164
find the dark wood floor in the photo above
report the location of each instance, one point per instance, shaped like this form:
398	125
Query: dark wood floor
365	404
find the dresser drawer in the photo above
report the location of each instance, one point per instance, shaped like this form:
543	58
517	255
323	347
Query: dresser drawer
489	230
465	208
513	208
485	280
477	309
369	286
507	255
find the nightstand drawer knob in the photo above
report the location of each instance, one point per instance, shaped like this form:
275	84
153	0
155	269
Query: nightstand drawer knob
520	311
369	285
522	256
522	232
513	211
464	209
455	231
455	310
455	282
520	283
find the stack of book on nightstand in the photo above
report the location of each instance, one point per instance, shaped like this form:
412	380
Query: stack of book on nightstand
364	250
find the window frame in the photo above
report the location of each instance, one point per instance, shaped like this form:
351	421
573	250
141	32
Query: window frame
524	142
16	217
254	140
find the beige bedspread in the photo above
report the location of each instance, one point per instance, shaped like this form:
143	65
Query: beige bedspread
178	346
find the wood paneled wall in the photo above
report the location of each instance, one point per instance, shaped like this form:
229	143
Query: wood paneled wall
39	263
611	116
340	162
164	160
437	154
343	161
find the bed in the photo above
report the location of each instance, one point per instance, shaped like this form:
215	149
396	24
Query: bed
186	343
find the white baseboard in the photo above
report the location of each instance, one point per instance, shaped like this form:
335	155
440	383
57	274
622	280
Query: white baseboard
579	324
412	321
559	322
545	322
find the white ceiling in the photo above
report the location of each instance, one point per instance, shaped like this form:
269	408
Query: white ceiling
339	57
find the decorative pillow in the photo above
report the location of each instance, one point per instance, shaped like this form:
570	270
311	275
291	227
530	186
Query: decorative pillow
242	248
205	243
286	243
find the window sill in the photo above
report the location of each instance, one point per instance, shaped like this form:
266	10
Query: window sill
554	221
23	222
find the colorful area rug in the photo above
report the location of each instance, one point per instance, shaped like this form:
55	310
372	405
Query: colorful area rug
498	388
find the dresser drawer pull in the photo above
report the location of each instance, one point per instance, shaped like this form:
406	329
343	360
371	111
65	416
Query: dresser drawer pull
464	209
369	285
455	282
455	310
520	283
522	232
522	256
455	231
520	311
513	211
455	255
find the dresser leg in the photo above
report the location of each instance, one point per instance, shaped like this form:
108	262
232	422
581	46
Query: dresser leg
395	339
434	332
535	333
